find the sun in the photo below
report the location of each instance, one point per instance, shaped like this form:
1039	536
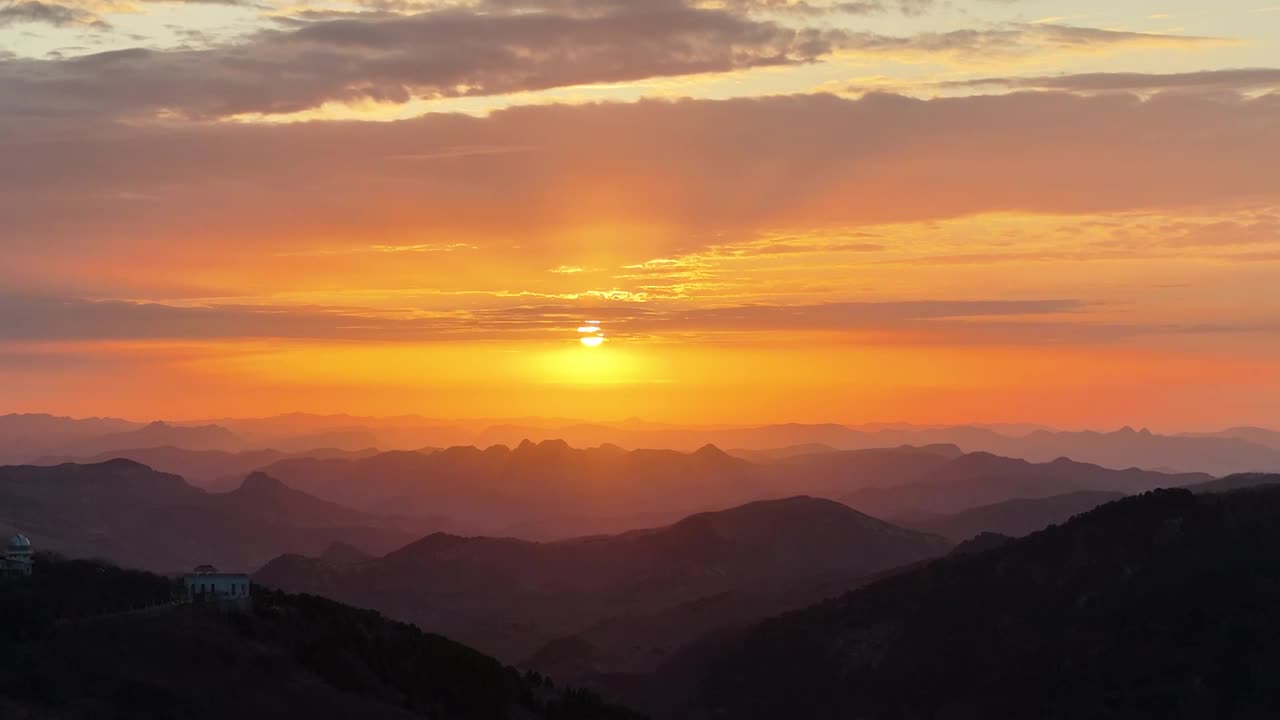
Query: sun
592	336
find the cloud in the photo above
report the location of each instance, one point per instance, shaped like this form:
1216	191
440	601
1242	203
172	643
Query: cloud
852	315
345	58
34	11
1239	80
42	318
1015	40
416	248
699	172
394	58
825	7
1260	230
590	7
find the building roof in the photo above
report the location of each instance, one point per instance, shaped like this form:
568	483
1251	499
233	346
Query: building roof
19	542
209	571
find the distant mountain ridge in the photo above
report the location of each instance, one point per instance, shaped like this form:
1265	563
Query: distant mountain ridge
28	438
1237	482
1012	518
539	486
208	469
24	438
162	434
535	485
978	479
510	596
1255	435
129	513
1235	451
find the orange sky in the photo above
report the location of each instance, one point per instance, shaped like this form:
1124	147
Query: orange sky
971	211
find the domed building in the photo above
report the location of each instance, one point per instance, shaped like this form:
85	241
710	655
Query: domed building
18	556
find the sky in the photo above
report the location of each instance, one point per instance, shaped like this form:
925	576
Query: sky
933	211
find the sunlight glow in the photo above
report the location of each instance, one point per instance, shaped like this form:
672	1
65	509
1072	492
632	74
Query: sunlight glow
593	341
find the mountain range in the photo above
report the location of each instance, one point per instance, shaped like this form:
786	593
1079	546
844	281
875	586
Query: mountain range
978	479
1255	435
216	470
1236	482
24	438
541	491
512	597
538	490
1159	605
1010	518
1218	454
550	490
27	439
126	512
1000	587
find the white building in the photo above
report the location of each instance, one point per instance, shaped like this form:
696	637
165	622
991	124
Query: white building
206	584
18	556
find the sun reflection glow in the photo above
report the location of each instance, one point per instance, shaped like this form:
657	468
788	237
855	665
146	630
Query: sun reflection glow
593	341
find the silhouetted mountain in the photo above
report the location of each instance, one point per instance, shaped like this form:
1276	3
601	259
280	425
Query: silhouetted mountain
764	438
92	494
834	474
511	596
1236	482
24	437
1255	435
1161	605
1013	518
639	642
1234	450
128	513
549	490
981	542
160	434
1238	450
155	434
542	485
73	651
269	499
1141	448
978	479
209	469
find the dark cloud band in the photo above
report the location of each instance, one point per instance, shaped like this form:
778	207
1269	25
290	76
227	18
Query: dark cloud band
26	318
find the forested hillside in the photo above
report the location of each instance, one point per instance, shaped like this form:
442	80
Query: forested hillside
75	646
